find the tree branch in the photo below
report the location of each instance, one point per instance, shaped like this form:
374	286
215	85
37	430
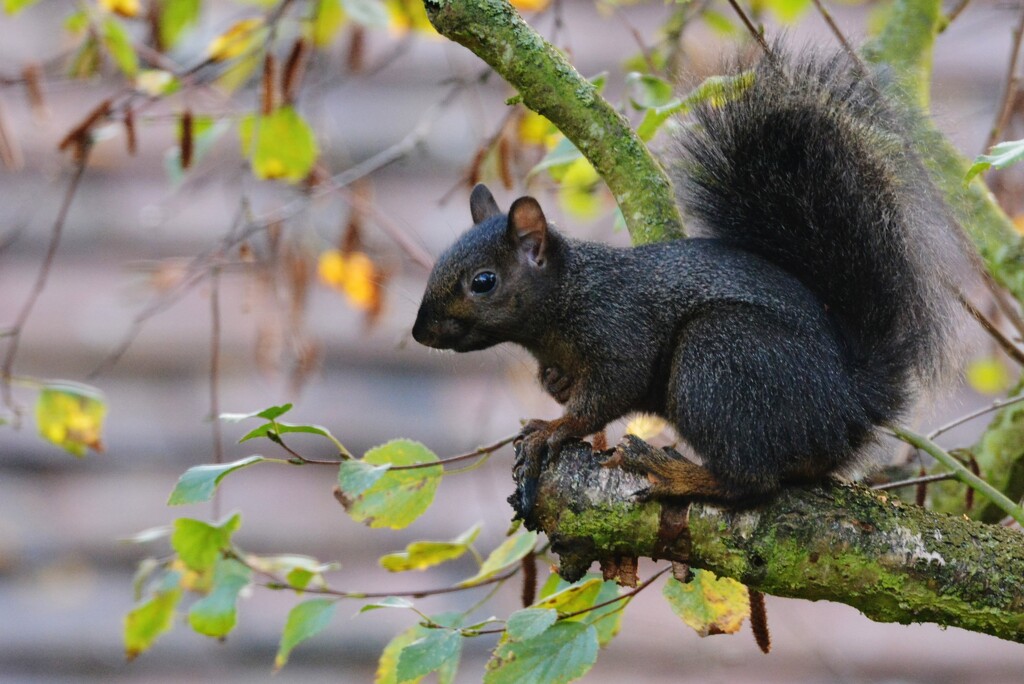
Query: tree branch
893	561
550	86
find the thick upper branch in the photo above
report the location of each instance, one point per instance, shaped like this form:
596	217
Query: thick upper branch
549	85
894	561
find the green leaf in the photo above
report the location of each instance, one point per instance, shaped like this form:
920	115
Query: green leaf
327	20
720	23
787	11
512	550
216	613
420	555
529	622
999	157
199	544
198	483
151	618
394	498
15	6
563	653
557	159
285	428
298	570
574	597
578	192
269	413
86	60
708	604
370	13
647	91
71	415
175	17
285	145
389	602
119	44
305	620
387	666
607	620
440	648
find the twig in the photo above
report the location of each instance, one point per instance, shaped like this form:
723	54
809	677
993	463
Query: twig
218	447
44	271
479	451
1005	307
1010	89
827	16
910	482
1005	343
758	36
994	406
961	471
953	14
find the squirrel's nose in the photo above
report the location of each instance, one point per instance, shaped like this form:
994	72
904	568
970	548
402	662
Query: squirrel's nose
422	331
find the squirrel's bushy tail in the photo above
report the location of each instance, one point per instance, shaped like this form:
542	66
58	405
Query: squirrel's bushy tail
811	167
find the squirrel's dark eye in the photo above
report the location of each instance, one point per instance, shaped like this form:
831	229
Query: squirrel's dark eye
484	281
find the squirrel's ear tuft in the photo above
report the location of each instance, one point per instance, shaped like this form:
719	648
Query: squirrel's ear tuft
528	228
481	204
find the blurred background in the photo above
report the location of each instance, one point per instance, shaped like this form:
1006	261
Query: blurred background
130	246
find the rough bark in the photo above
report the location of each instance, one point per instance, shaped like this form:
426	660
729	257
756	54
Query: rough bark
893	561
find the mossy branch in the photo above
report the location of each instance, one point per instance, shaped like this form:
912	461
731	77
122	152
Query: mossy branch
549	85
893	561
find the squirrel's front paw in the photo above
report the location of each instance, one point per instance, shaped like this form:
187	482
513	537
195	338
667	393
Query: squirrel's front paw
556	383
531	454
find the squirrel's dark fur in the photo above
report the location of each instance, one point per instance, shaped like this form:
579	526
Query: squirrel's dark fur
811	311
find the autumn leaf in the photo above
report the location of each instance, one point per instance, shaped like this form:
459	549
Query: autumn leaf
354	275
237	40
709	604
285	146
126	8
71	416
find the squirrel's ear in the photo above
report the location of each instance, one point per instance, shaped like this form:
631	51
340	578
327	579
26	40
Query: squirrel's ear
481	204
528	228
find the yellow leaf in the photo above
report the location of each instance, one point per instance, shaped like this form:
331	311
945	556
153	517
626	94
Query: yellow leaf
988	375
285	145
535	129
709	604
578	193
71	416
1018	223
126	8
409	15
354	275
646	426
530	5
237	40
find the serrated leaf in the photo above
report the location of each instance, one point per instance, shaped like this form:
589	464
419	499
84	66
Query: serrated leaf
441	648
119	45
285	428
512	550
285	145
148	620
563	653
216	613
420	555
529	622
71	415
387	666
394	498
198	483
269	413
607	619
305	620
175	17
389	602
1000	156
369	13
709	604
199	544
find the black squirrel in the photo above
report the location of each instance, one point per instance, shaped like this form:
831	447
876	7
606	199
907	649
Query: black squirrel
812	311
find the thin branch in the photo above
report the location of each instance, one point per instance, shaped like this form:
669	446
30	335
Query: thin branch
479	451
15	332
1005	343
218	446
1005	307
834	27
912	481
954	13
994	406
758	36
963	473
1011	87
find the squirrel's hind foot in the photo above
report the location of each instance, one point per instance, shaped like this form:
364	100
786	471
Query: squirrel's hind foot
669	473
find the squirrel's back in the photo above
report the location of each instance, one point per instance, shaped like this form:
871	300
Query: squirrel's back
809	165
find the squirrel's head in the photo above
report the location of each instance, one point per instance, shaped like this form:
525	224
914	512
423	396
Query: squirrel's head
486	286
